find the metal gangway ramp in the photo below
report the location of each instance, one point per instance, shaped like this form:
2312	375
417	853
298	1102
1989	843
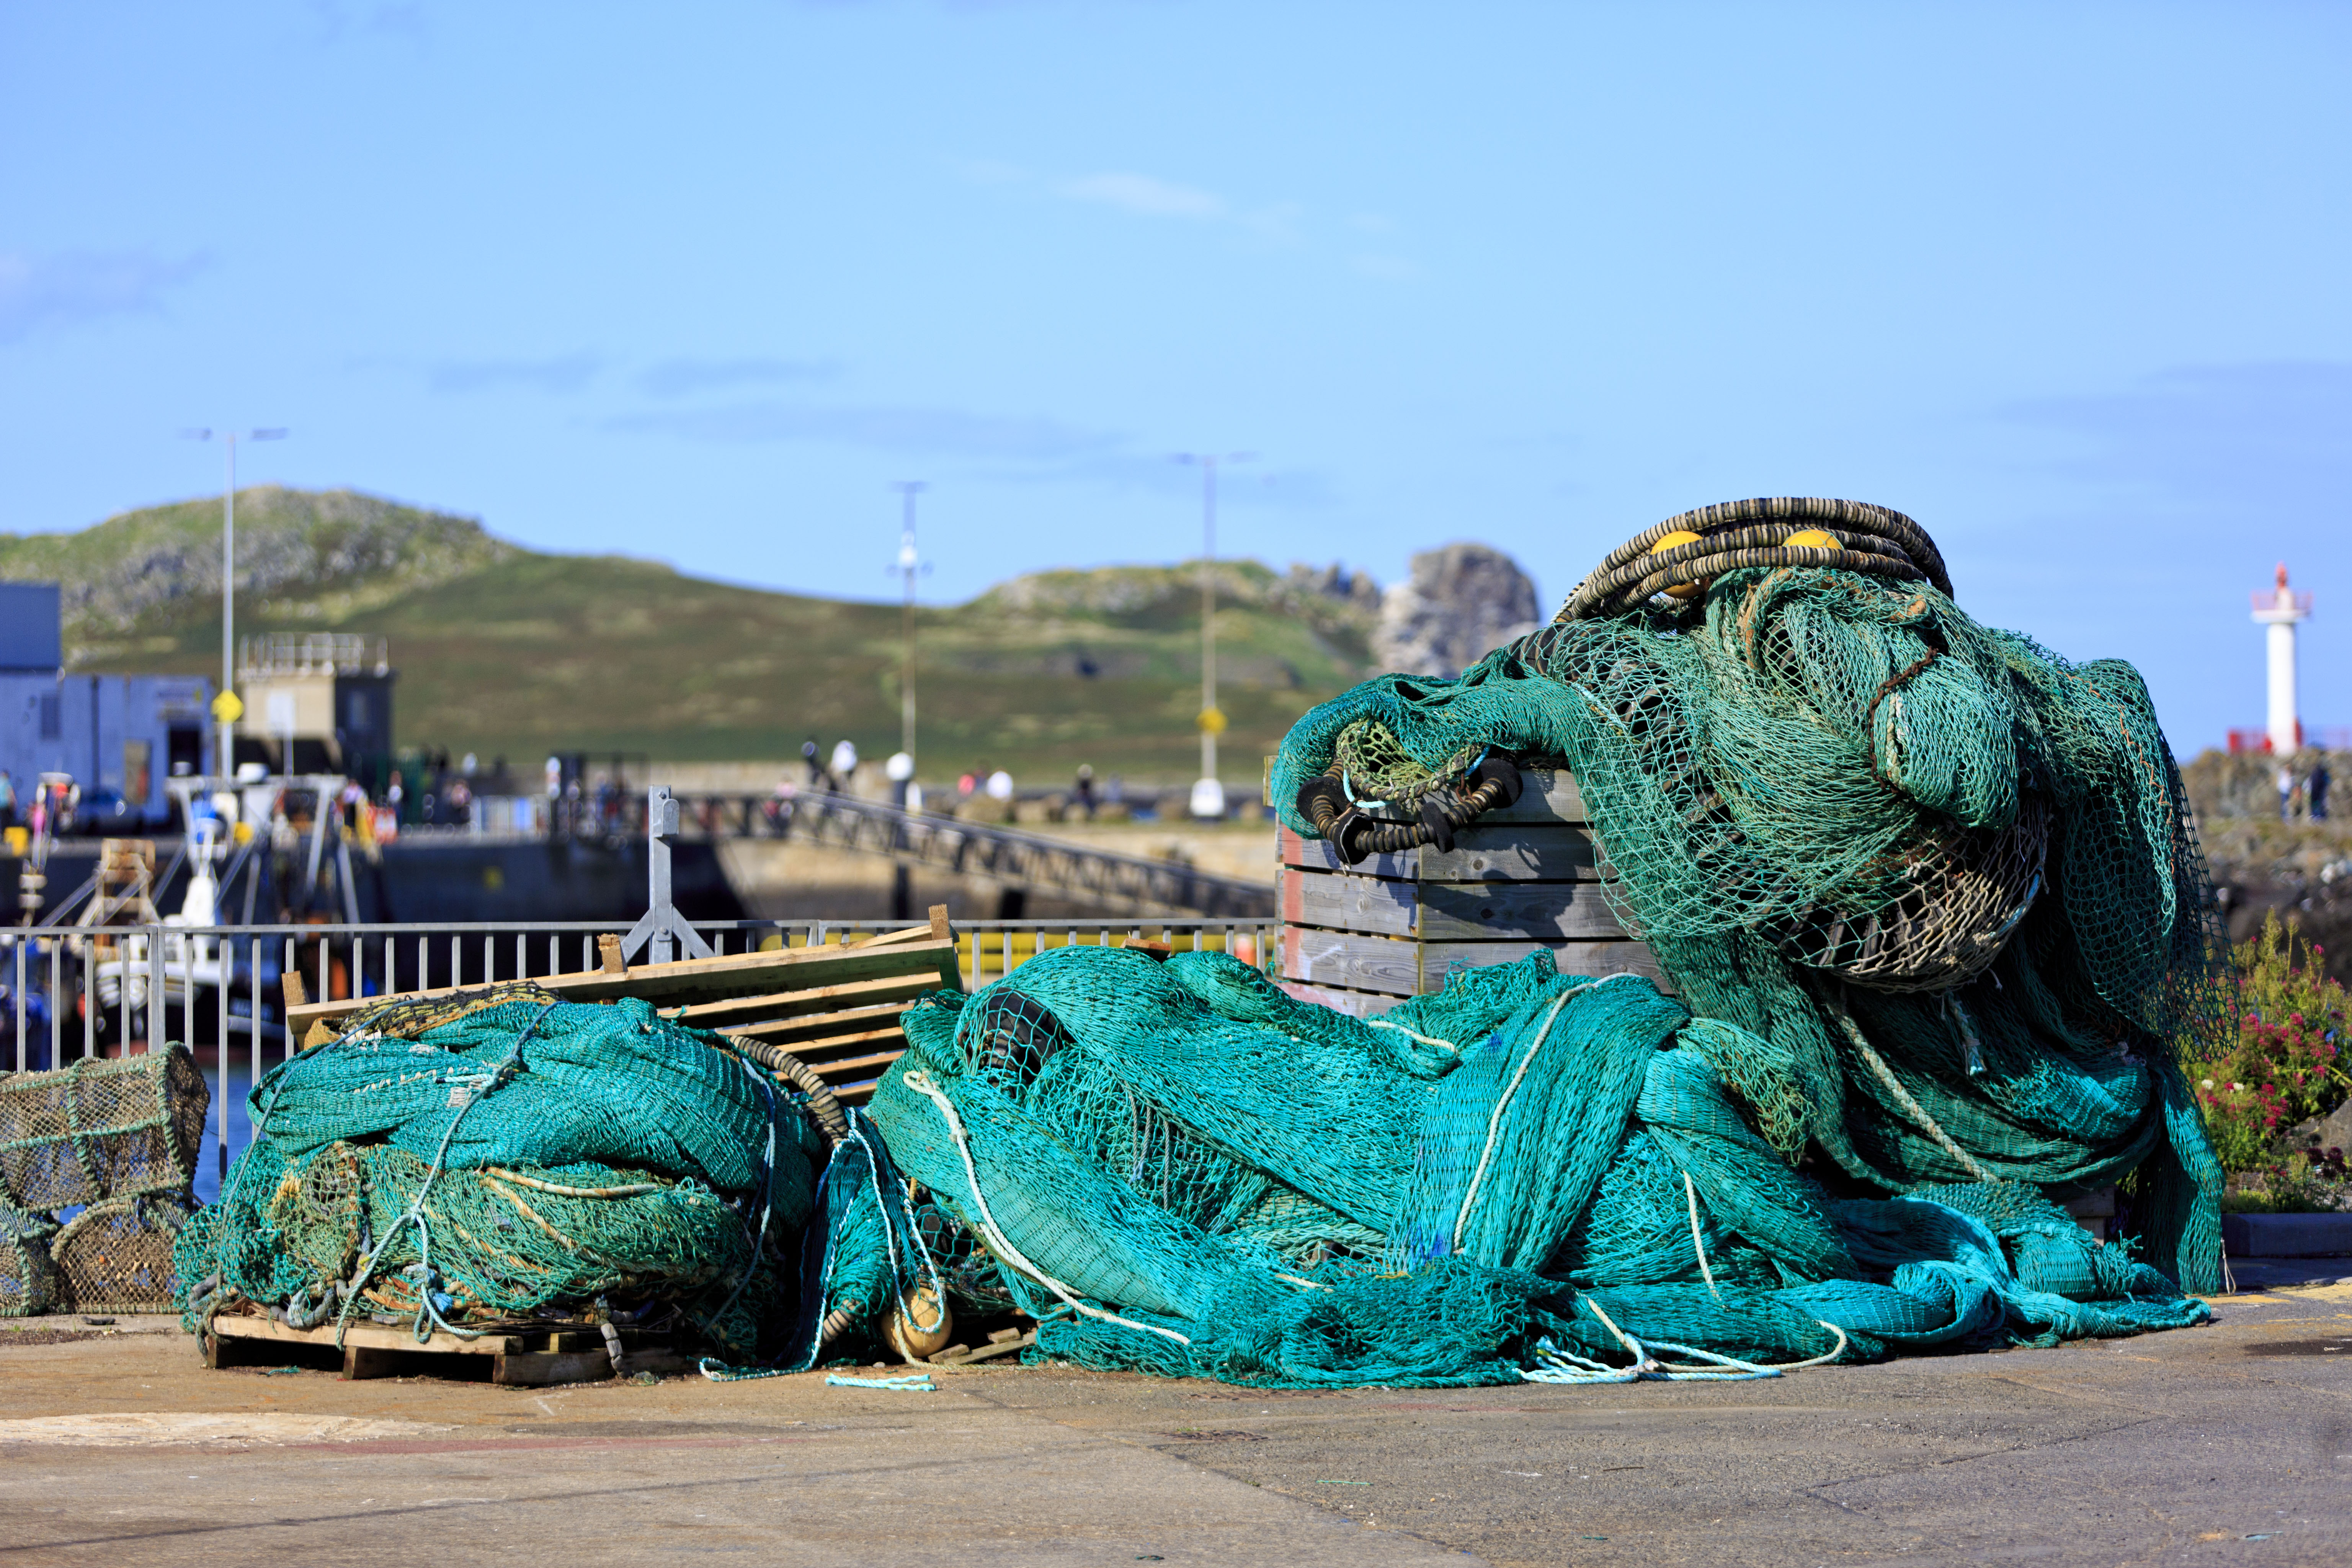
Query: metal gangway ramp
1035	862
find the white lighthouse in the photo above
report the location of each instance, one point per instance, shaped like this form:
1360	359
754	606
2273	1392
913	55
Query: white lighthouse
2280	609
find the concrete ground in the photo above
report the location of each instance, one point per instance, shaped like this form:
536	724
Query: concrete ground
2230	1444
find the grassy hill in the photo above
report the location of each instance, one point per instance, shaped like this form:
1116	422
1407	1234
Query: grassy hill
506	651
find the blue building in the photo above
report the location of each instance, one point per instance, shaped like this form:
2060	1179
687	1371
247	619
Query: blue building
116	735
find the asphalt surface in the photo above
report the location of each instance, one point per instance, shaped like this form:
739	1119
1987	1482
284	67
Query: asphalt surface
2230	1444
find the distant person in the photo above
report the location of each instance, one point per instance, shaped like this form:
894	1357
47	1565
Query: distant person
815	763
967	784
393	794
461	803
2287	793
845	763
2315	791
1086	790
999	786
7	801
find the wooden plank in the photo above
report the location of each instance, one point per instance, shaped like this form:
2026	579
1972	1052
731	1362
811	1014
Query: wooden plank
987	1352
537	1368
1546	795
1440	959
1313	854
1342	902
1352	962
1400	967
816	1052
858	1068
1514	852
1520	852
1542	911
1355	1004
368	1361
937	930
895	990
708	979
370	1336
1434	911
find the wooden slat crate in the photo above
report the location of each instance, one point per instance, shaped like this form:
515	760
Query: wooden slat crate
1364	938
835	1007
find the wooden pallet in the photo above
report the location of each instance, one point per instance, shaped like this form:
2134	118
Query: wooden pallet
836	1008
1366	937
532	1357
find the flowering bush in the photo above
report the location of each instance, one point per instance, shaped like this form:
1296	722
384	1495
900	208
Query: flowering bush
2286	1066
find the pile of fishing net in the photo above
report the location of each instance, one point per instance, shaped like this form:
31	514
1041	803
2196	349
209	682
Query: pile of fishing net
1179	1169
504	1155
1940	936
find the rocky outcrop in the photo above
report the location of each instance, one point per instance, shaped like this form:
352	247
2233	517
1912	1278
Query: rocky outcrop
338	550
1461	601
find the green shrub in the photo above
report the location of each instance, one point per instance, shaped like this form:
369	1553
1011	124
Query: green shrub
2302	1183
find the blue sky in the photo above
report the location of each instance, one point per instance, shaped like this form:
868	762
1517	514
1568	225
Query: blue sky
2066	282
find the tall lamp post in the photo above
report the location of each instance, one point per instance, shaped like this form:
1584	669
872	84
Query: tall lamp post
226	709
900	769
1208	791
909	566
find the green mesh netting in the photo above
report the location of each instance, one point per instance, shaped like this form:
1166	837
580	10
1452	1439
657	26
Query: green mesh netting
482	1162
1181	1170
1947	877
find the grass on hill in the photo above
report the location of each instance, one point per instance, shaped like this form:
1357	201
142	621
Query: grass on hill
504	651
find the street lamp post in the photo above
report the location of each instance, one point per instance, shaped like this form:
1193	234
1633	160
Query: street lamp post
909	566
226	709
900	769
1208	790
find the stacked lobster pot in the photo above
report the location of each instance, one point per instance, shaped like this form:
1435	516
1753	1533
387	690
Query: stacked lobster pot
97	1167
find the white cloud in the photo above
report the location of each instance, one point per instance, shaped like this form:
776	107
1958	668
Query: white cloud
680	377
565	372
1150	197
80	286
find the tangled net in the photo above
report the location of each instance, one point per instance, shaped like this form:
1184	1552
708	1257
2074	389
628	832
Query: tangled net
1951	875
456	1163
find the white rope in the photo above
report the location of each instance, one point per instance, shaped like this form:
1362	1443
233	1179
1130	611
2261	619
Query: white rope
1424	1039
921	1082
1690	1194
1554	1364
1494	1122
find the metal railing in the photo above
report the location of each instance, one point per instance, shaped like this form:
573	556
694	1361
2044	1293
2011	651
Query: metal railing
71	994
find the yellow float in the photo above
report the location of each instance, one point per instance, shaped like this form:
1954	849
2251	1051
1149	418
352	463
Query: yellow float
1679	537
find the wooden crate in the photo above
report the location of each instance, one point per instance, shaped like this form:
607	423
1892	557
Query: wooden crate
1364	938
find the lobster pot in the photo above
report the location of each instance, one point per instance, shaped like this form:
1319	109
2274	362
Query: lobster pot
101	1128
1363	938
27	1277
116	1255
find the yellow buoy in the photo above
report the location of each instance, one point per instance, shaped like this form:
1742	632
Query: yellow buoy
1812	538
919	1325
1680	536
